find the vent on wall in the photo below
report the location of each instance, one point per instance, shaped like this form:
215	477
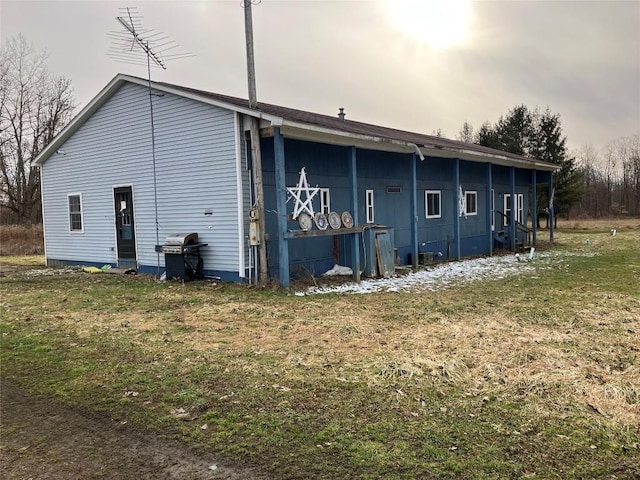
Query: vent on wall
394	189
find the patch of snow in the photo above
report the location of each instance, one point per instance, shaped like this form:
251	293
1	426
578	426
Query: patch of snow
452	273
48	272
338	270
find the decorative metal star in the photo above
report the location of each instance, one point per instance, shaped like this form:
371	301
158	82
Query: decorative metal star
296	192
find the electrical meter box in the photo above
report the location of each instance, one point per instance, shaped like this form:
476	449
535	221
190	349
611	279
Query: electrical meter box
254	227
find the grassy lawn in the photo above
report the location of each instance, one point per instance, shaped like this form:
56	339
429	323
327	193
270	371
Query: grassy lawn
535	375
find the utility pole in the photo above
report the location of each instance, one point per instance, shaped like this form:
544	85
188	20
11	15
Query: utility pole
256	155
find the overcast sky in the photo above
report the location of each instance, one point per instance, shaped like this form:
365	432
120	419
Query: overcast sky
386	62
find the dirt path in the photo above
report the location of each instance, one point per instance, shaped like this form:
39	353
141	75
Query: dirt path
39	439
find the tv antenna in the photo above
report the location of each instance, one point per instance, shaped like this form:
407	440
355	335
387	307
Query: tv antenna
131	45
133	40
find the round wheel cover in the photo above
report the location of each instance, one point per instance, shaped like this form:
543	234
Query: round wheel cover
334	220
347	219
320	219
305	222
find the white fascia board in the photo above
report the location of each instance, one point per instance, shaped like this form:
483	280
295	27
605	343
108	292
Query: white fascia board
304	131
79	119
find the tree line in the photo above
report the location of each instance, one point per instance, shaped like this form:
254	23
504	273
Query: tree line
611	179
589	183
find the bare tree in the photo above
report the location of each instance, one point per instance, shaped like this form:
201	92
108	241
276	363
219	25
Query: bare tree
611	178
635	173
592	203
466	133
630	161
34	106
610	172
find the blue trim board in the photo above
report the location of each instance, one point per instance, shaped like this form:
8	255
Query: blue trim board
225	276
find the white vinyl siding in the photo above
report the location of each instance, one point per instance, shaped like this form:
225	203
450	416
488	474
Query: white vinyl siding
196	172
74	202
432	203
369	206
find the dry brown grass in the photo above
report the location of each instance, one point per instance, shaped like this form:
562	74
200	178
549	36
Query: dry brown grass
439	338
603	224
21	240
484	353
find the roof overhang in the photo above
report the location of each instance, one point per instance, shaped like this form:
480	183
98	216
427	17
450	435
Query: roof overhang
303	131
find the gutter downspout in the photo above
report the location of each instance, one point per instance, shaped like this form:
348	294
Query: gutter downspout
414	211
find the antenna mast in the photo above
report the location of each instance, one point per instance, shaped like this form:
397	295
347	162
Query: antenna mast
127	46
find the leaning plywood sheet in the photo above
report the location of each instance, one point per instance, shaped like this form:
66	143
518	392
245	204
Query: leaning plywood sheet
384	254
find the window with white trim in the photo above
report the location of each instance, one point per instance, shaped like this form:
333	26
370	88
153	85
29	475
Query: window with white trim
433	203
369	204
74	202
519	208
325	201
507	209
493	209
471	204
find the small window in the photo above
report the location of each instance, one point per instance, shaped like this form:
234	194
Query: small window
325	201
508	207
493	209
520	212
471	206
369	203
432	200
75	213
507	210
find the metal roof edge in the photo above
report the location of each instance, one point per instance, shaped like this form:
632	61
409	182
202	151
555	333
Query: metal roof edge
176	90
290	127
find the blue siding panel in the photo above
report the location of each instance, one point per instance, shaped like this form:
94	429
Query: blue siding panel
327	167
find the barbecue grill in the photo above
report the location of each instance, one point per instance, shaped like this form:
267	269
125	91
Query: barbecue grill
182	258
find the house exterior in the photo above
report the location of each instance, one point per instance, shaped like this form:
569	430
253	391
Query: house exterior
144	160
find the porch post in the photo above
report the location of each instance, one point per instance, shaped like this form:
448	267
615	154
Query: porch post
281	208
353	197
514	207
456	203
414	212
534	206
488	207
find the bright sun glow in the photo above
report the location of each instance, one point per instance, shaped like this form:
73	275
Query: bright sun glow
436	23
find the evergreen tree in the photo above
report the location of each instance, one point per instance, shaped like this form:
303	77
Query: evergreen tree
538	135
